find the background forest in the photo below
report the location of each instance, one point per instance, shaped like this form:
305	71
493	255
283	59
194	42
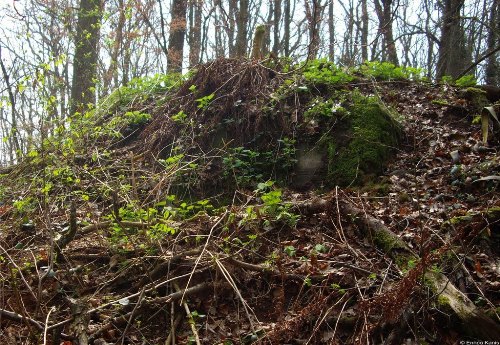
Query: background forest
59	56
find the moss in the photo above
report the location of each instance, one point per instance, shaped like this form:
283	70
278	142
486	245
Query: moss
403	197
443	301
493	213
387	241
492	313
440	102
460	219
476	97
373	135
374	186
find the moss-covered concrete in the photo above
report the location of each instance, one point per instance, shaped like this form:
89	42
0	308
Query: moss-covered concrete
373	135
476	97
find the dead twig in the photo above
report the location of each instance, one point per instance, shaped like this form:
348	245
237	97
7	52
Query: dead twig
130	320
190	316
10	315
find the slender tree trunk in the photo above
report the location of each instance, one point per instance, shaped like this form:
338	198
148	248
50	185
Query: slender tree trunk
112	72
452	51
430	42
195	8
276	27
14	135
331	32
219	45
242	27
364	30
176	36
86	55
269	20
313	15
492	72
384	13
346	56
286	29
231	30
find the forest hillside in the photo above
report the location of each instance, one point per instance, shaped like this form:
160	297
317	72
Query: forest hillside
260	202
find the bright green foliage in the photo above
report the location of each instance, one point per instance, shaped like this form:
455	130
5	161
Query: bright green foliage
273	212
205	101
180	117
320	108
325	72
248	166
136	117
466	81
388	71
290	250
160	218
157	84
338	288
320	248
243	164
24	205
116	112
277	210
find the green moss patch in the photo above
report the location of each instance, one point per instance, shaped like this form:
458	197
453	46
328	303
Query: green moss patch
373	135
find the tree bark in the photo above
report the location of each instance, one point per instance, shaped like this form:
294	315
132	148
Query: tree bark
242	28
313	16
384	14
492	72
195	8
86	55
276	30
286	29
112	72
176	36
331	32
364	30
14	138
452	52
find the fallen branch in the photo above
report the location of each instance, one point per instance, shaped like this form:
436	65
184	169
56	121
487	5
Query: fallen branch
459	304
190	316
123	319
10	315
480	325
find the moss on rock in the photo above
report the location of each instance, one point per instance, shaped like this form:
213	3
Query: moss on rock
374	134
476	97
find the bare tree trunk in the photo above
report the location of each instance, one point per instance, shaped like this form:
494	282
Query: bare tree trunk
430	42
219	45
347	57
112	72
86	55
13	127
364	30
176	36
286	31
231	26
276	30
452	52
331	32
195	8
313	16
492	72
242	27
269	21
385	17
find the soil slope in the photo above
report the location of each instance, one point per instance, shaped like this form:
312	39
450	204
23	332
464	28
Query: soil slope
184	217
